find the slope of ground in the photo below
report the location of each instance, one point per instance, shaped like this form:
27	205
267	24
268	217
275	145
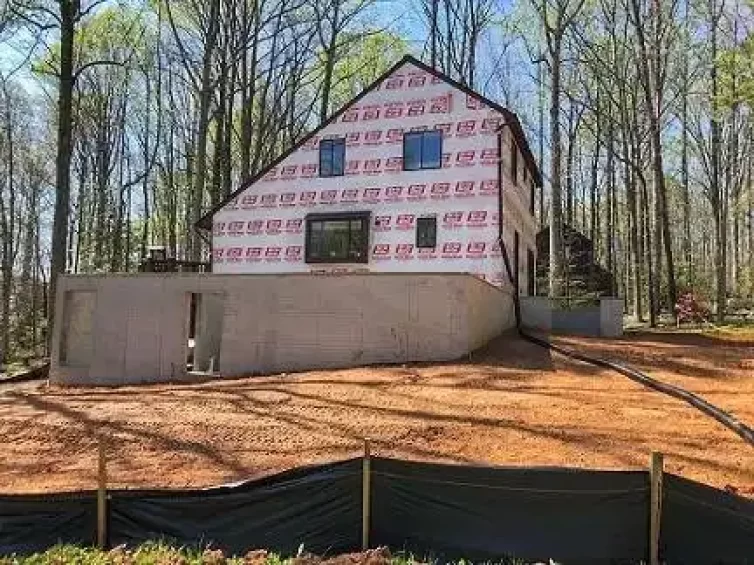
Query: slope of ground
511	404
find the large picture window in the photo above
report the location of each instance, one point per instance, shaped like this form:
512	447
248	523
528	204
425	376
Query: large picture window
422	150
332	157
337	238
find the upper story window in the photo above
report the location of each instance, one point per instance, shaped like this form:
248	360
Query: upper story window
332	157
422	150
514	162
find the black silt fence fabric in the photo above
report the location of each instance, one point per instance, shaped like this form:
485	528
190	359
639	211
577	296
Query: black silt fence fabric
701	524
319	507
32	523
486	513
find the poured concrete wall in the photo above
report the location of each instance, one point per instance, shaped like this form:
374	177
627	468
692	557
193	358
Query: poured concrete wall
605	319
274	323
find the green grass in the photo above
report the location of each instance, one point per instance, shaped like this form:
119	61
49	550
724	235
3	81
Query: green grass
155	553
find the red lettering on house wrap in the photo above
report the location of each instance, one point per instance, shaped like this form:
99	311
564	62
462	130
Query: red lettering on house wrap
373	166
477	219
452	220
309	170
488	187
464	189
393	110
236	228
234	254
288	172
490	125
328	196
381	252
371	113
440	190
271	175
451	250
489	157
307	198
293	253
254	227
417	192
394	194
393	164
294	225
253	254
373	137
382	223
249	201
465	158
475	250
417	81
405	222
349	195
404	251
371	195
351	115
416	107
394	135
466	128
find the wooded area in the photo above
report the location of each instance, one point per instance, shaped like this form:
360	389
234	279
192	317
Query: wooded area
122	123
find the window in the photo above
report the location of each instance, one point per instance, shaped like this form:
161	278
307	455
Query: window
426	232
337	238
332	156
514	162
422	150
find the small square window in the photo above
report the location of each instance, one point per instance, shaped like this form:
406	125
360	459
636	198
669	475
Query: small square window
332	157
422	150
426	232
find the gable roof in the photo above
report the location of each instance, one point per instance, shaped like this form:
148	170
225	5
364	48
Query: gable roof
511	119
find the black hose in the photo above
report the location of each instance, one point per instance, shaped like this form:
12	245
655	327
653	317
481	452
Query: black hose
726	419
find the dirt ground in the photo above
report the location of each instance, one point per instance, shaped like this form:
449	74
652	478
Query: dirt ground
512	404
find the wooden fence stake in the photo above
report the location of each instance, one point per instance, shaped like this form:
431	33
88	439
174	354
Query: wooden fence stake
655	506
101	495
366	468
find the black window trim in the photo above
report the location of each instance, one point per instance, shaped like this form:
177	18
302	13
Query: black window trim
420	220
421	166
331	140
364	215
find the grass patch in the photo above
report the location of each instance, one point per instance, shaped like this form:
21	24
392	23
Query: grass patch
157	553
736	331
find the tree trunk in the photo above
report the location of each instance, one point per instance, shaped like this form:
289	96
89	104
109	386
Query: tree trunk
557	255
63	158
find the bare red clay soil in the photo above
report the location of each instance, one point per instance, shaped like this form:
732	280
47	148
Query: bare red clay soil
513	403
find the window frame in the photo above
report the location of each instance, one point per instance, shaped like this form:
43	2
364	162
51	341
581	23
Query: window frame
363	216
333	142
422	133
422	220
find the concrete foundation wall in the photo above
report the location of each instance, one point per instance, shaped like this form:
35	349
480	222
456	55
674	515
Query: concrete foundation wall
605	319
259	324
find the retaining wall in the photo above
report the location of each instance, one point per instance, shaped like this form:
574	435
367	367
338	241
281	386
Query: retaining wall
604	319
117	329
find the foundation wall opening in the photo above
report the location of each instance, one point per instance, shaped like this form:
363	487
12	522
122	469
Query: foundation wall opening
206	311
